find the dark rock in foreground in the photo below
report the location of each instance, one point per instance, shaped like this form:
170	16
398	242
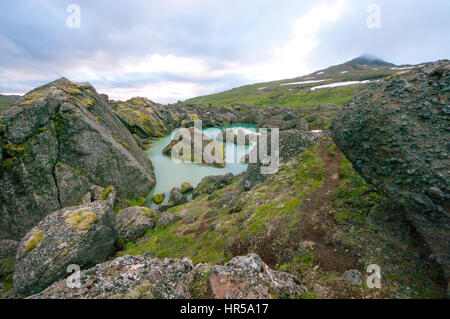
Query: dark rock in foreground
141	277
396	134
248	277
82	235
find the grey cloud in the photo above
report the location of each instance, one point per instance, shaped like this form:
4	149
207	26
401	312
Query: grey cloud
33	36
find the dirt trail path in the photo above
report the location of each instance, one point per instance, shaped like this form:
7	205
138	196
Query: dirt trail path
316	224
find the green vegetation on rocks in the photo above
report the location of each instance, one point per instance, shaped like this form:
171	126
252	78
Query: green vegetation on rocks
106	192
158	198
81	219
186	187
35	239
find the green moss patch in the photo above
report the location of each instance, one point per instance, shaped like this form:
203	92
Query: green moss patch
158	198
35	239
106	192
81	219
355	197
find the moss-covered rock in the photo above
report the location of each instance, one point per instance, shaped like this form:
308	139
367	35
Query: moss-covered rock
186	188
34	240
61	138
82	218
158	198
83	235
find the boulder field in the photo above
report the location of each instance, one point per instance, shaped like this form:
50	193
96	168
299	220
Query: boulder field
370	192
136	277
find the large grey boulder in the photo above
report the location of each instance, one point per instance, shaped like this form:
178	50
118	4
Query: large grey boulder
57	141
396	134
133	222
83	235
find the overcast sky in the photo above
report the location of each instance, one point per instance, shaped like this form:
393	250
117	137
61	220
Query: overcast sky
170	50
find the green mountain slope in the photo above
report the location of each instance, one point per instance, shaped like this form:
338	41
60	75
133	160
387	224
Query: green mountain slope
5	100
301	91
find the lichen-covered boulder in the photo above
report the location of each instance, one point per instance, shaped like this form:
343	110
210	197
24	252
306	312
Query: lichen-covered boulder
129	277
143	277
83	235
248	277
133	222
396	134
57	140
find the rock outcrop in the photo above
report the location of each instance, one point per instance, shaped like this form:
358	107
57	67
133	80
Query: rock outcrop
82	235
248	277
238	136
148	119
143	277
291	142
57	140
396	134
176	196
209	184
133	222
129	277
210	152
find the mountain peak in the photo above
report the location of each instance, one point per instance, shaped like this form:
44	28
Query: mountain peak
369	59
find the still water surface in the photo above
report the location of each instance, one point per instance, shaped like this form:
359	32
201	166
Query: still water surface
169	174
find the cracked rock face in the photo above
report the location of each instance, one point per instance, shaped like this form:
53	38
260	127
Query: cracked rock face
82	235
58	140
396	134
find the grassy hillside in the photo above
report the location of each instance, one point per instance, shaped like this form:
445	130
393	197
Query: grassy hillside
277	95
5	100
291	93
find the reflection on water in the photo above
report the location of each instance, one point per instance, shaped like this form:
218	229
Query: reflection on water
170	175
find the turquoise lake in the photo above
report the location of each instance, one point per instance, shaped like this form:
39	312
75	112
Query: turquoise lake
169	174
